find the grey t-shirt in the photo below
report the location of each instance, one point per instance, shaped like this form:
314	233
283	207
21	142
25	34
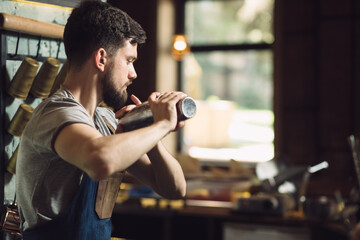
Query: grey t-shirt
45	183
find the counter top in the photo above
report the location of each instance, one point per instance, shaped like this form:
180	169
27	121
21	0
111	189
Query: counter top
209	222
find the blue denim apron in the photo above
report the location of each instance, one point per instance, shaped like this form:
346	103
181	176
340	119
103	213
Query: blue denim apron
77	221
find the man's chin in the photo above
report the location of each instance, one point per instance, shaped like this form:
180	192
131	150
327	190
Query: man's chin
116	104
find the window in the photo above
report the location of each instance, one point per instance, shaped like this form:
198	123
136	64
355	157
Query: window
229	73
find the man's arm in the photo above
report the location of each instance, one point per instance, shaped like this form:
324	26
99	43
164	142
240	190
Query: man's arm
162	172
158	168
101	156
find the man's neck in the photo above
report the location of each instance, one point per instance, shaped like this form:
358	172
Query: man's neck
83	85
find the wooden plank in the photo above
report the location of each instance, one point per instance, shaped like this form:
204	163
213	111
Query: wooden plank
299	132
356	82
299	15
335	114
31	26
3	47
298	85
335	8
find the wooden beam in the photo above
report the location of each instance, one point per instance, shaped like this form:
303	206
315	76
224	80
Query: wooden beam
31	26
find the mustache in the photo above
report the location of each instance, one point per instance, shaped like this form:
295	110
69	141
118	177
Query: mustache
129	83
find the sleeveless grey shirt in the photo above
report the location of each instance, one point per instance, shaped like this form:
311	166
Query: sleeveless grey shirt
45	183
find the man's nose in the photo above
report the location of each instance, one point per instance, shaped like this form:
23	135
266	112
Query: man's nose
132	73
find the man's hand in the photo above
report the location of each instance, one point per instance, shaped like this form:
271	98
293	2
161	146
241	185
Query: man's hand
164	108
120	113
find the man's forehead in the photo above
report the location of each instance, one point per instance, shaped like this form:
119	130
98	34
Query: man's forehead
128	48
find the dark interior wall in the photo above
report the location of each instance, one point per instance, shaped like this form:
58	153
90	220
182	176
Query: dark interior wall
317	86
145	13
317	78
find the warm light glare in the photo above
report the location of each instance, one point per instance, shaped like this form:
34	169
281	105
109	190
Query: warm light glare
179	47
253	153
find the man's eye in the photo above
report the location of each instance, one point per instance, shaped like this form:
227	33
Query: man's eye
131	60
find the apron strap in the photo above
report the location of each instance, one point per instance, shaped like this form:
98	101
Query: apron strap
111	128
108	189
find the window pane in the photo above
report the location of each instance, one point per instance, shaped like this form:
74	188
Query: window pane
234	92
229	22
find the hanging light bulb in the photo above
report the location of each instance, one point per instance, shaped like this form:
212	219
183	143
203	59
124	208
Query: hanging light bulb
180	47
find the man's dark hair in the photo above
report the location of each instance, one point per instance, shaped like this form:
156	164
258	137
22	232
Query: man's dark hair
95	24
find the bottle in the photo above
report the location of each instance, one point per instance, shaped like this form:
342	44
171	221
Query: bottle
141	116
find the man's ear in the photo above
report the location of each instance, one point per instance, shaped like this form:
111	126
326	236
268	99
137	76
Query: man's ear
100	58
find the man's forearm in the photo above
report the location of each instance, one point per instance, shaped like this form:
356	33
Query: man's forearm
168	173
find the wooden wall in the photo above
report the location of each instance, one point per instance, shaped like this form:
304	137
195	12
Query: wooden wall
317	87
317	80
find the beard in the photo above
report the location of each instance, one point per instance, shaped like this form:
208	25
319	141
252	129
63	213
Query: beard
111	96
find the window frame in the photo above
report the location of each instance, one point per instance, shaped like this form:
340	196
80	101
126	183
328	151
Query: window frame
200	48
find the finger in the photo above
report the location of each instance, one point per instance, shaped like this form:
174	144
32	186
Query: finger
179	125
165	96
120	113
119	129
135	99
160	96
173	97
154	96
173	94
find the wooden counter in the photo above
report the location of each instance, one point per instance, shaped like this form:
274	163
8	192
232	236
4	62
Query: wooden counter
208	223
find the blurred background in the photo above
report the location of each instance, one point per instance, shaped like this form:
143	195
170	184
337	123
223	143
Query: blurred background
276	86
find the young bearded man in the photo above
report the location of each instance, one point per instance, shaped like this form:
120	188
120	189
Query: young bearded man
67	149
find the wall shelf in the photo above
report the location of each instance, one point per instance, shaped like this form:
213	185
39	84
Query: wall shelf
20	28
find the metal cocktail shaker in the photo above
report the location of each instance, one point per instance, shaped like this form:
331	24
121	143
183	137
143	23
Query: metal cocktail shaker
141	116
